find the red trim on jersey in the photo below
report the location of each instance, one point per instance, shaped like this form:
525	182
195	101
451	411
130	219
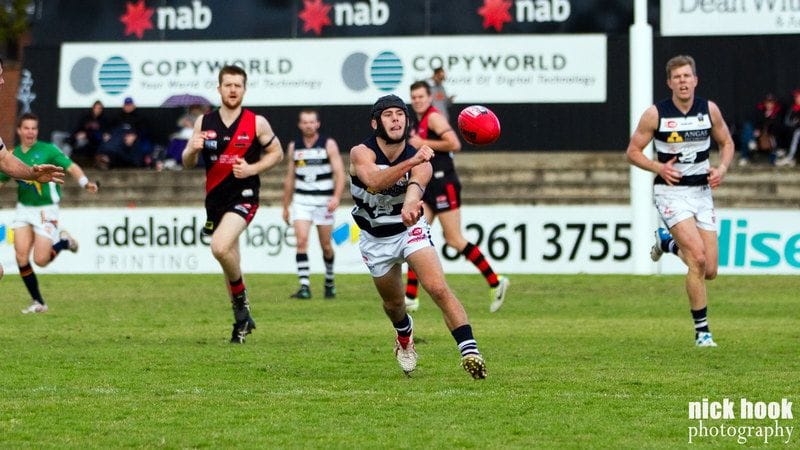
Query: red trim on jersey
252	208
452	196
245	134
422	127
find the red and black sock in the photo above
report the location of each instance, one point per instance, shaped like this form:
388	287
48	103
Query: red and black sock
404	328
412	285
236	287
474	255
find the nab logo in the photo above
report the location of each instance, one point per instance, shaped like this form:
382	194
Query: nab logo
675	137
315	14
385	71
138	18
496	13
113	76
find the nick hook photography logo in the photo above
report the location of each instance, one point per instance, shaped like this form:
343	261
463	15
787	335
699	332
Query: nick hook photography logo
741	421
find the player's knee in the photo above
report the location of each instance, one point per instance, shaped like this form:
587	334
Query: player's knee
711	273
41	261
438	291
700	264
455	240
219	250
302	245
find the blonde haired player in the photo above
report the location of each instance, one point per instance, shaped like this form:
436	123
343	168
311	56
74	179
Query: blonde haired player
682	126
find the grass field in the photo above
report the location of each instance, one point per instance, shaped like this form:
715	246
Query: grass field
573	361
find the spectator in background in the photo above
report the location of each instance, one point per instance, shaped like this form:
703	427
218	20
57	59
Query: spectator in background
766	133
792	123
179	139
91	131
128	144
440	99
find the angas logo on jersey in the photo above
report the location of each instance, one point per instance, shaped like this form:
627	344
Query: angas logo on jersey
674	137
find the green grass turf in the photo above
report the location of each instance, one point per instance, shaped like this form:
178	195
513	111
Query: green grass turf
573	361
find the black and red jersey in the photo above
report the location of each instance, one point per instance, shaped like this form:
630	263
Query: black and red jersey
223	145
441	161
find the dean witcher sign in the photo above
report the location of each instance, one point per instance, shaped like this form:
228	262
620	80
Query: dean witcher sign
732	17
299	72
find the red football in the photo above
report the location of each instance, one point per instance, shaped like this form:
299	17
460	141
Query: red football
478	125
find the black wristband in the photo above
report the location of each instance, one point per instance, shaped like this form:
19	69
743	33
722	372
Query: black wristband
418	185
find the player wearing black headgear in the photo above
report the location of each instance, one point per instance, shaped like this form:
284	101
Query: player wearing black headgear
384	103
387	181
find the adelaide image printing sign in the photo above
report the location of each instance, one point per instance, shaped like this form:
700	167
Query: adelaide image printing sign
481	69
516	239
741	17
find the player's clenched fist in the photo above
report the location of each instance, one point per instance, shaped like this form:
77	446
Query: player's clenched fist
424	154
241	169
198	141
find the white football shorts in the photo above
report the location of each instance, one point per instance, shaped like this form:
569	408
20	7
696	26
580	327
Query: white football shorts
678	203
318	215
381	253
43	219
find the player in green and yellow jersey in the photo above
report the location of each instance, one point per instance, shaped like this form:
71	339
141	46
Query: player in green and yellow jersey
36	222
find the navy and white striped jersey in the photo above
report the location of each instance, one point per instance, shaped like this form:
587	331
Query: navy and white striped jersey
378	213
313	176
687	136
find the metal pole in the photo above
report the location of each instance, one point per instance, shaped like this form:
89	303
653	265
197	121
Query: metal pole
641	97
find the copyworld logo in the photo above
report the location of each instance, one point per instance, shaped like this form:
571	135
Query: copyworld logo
113	76
384	71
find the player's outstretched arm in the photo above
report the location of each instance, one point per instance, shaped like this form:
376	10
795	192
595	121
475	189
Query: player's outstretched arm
417	182
76	172
362	162
13	167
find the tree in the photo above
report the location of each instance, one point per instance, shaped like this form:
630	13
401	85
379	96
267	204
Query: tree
14	23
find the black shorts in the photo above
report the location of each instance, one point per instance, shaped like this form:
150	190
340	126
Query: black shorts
443	194
213	215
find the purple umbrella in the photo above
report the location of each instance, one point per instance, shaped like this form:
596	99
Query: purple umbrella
183	100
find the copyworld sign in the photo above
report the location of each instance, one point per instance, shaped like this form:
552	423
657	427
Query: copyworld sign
481	69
